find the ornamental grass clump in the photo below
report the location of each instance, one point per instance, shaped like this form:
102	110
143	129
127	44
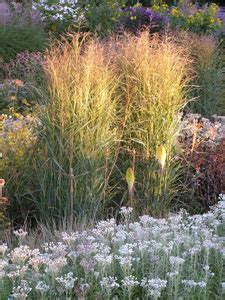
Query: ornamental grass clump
208	85
110	105
153	84
78	118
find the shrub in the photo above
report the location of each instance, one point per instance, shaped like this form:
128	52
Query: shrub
17	150
58	16
203	157
16	97
101	16
198	19
97	16
138	17
14	40
27	66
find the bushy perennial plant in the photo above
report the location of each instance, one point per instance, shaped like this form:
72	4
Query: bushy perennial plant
108	15
180	256
202	143
187	15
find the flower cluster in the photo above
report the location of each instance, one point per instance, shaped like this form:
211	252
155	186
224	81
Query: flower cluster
136	17
187	15
60	10
171	257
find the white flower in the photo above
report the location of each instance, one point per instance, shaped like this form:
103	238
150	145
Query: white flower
155	283
176	261
103	259
146	220
13	274
55	265
222	199
126	249
58	249
120	236
21	292
103	256
42	287
109	283
105	228
126	211
201	284
3	249
172	274
69	238
192	283
67	281
125	261
130	281
96	274
20	254
73	255
154	286
20	233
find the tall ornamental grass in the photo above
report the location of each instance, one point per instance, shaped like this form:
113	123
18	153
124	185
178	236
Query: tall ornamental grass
153	74
78	119
208	63
111	106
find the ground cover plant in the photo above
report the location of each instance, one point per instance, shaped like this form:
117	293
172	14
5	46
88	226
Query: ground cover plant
180	256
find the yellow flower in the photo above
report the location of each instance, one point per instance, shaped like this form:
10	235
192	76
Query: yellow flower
130	178
175	12
161	155
211	20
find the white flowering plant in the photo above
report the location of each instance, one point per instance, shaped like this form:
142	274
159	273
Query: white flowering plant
58	14
101	16
180	256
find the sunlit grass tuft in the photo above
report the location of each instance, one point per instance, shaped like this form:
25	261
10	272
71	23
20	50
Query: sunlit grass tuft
79	128
153	88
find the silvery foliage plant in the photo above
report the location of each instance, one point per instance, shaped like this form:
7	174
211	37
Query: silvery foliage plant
178	257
